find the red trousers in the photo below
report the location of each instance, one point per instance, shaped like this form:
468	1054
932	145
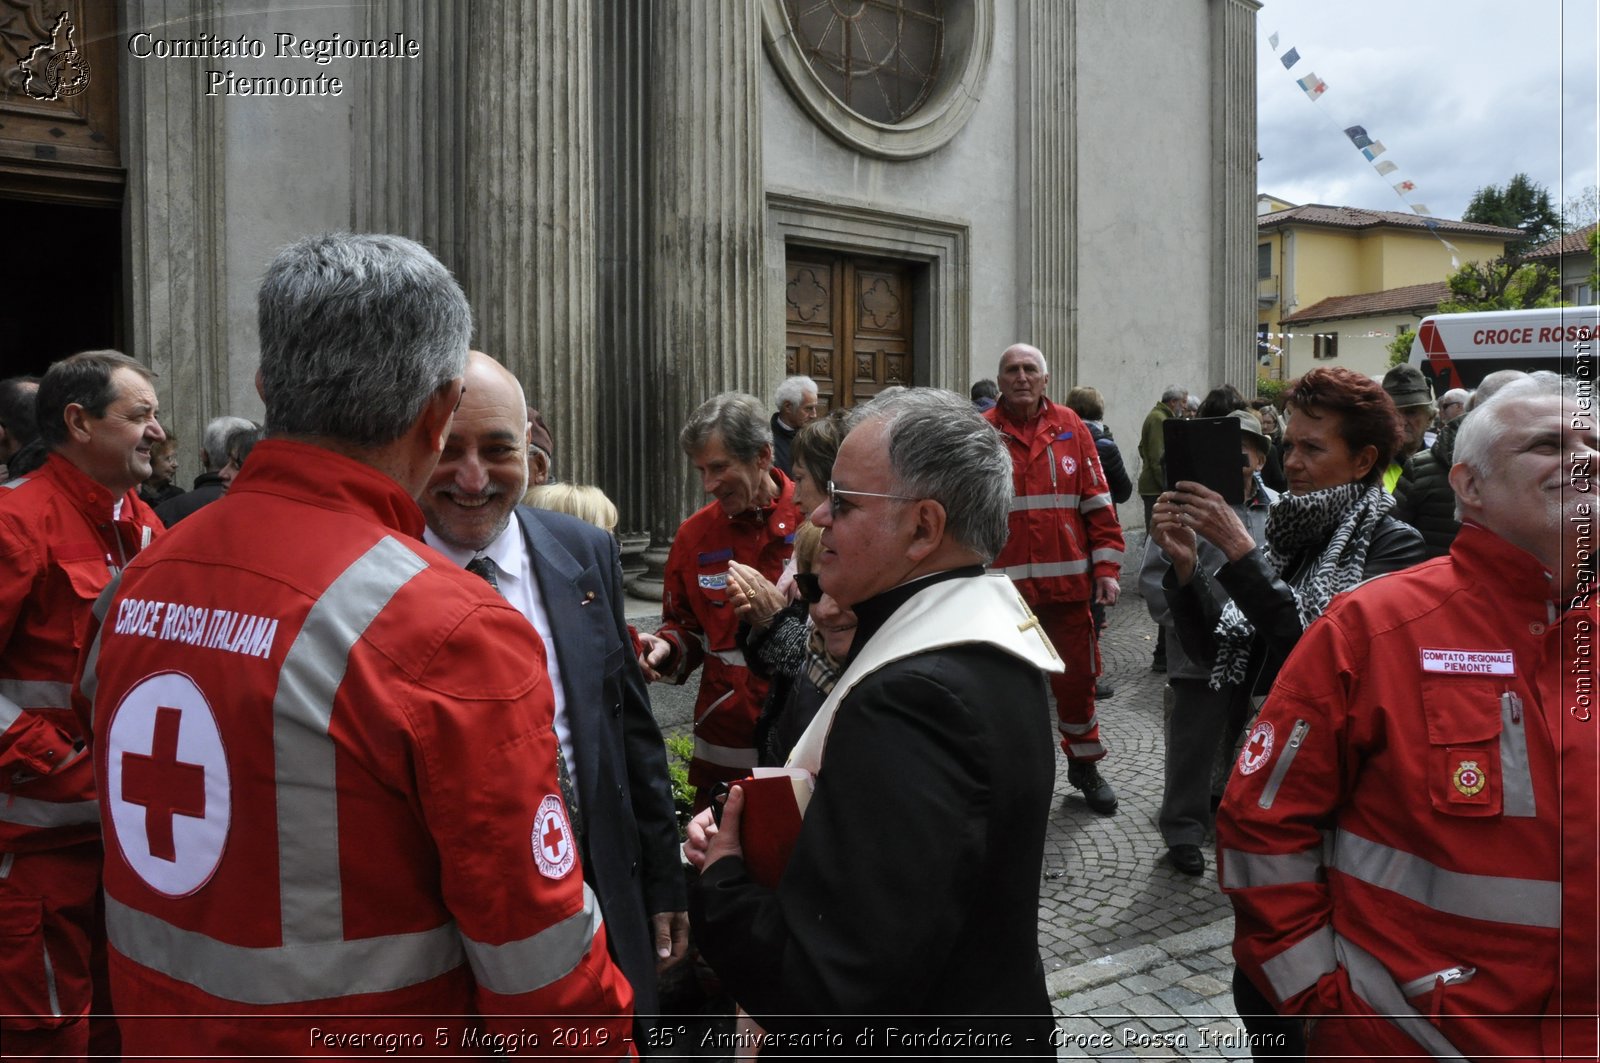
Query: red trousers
53	954
1071	629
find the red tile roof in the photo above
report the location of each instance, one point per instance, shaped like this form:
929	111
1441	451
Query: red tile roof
1575	243
1355	218
1413	298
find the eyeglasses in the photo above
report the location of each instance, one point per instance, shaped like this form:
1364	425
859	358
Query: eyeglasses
834	494
810	587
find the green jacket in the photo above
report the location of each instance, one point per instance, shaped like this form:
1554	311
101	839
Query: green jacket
1152	445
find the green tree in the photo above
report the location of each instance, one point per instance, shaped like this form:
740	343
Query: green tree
1400	346
1503	284
1594	250
1521	204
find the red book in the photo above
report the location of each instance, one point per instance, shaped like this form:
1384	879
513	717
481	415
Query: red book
775	801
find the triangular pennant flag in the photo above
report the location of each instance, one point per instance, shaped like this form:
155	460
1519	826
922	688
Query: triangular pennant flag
1405	186
1273	40
1314	87
1455	252
1358	136
1373	150
1385	167
1290	58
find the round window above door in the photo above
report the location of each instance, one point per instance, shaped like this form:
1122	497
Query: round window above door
892	78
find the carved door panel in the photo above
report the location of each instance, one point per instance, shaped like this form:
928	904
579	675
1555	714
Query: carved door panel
848	324
58	101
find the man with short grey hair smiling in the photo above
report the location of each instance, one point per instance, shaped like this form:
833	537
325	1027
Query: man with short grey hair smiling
1409	835
919	856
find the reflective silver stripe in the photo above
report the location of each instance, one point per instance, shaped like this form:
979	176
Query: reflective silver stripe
540	960
1107	554
28	812
90	681
1045	569
732	658
1080	728
290	975
1023	503
1297	735
1298	967
34	694
6	860
50	980
309	890
1084	750
1516	797
1242	871
1094	502
724	756
1448	976
10	713
1514	901
1376	986
14	484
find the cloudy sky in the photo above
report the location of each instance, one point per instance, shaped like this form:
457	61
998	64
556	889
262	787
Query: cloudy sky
1461	93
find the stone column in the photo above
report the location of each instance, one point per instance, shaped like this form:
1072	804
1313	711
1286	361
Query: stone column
706	231
177	224
529	191
411	154
630	461
1233	190
1047	215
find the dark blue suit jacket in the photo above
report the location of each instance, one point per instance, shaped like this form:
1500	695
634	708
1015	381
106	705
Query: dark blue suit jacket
624	795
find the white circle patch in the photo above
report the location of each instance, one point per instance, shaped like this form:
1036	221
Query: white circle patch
1257	749
1069	464
167	783
553	850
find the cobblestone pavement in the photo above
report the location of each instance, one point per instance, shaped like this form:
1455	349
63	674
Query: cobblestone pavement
1134	950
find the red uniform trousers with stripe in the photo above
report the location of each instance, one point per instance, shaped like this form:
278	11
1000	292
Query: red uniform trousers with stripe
1071	630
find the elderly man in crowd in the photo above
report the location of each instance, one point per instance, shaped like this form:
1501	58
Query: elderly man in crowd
65	530
797	407
912	894
1153	477
751	519
19	423
1409	389
1065	548
330	773
1409	837
565	576
211	484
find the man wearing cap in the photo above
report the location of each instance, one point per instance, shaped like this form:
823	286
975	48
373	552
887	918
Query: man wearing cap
1409	390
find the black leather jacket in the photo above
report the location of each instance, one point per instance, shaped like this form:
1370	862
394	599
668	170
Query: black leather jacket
1267	601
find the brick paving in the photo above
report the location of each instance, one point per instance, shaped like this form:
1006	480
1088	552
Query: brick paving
1135	952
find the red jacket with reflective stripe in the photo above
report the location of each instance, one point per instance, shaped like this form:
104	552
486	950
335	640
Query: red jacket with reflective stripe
697	619
58	549
1064	528
1424	721
330	783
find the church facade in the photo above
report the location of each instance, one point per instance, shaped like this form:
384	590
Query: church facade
650	201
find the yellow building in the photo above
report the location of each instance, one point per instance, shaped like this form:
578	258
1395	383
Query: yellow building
1334	284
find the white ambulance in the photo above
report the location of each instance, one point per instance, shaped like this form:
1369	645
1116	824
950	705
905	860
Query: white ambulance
1459	350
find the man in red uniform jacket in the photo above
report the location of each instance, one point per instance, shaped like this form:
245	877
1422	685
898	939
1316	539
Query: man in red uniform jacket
1409	835
64	531
325	752
752	521
1065	547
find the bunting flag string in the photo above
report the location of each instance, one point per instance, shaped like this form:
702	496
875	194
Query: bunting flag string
1315	88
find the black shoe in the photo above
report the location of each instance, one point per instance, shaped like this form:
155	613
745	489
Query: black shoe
1102	691
1187	858
1097	793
